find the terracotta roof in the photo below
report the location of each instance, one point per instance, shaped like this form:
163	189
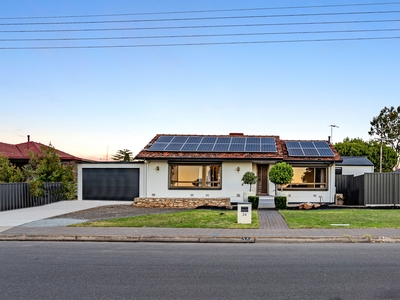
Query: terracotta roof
281	154
21	151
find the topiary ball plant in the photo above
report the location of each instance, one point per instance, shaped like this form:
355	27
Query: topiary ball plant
249	178
281	173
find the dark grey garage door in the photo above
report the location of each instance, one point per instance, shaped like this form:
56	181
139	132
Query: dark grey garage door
110	183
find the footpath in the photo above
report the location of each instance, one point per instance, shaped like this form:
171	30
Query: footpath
273	229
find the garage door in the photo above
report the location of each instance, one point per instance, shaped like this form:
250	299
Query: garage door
110	183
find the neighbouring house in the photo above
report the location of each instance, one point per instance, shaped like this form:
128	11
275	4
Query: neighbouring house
354	165
18	154
203	166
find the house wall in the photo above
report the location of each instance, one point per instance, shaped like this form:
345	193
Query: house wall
356	170
157	184
142	174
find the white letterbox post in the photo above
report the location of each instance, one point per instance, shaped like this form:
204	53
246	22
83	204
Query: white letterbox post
244	213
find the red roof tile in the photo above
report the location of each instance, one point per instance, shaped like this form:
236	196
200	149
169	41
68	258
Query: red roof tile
21	151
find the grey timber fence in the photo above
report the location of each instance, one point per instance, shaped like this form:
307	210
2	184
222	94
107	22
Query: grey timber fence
370	189
17	195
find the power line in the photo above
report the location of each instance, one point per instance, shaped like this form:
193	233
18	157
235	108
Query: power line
199	44
203	18
205	11
202	26
198	35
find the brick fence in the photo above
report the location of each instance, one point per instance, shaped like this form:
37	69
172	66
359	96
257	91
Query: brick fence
182	202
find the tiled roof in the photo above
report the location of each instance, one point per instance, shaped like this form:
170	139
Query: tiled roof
281	154
21	151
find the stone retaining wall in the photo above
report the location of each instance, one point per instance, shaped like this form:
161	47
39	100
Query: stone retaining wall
182	202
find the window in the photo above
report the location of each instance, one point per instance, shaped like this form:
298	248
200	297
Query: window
195	176
308	178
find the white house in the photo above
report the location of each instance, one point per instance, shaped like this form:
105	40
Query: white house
354	165
213	165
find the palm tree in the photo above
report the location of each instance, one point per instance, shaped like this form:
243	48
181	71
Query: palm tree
123	155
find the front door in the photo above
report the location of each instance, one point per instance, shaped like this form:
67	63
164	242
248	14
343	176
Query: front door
262	185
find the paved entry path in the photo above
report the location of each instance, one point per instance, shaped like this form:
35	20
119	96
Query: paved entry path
271	219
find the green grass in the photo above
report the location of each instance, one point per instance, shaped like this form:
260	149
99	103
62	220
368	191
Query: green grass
356	218
185	219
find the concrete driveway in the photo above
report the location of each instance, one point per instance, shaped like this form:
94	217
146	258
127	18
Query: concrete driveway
16	217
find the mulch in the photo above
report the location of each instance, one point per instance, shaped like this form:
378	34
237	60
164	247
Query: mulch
115	211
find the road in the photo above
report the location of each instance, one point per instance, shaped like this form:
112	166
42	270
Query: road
84	270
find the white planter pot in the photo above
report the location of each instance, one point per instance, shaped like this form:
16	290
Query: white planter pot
247	194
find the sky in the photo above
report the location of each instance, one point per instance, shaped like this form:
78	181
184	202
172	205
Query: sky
193	67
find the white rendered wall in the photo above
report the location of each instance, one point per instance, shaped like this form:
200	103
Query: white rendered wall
157	185
356	170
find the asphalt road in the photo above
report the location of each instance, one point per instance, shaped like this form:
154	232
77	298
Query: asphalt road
84	270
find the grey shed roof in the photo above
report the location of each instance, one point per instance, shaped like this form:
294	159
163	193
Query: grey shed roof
355	161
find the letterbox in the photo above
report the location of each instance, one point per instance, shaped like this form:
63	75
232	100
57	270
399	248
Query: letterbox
244	213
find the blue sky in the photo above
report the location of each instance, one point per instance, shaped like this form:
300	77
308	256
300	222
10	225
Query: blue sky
90	101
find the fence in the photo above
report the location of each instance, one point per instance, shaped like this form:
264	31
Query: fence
369	189
17	195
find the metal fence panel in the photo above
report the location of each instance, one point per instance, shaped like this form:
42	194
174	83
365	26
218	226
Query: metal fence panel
382	189
17	195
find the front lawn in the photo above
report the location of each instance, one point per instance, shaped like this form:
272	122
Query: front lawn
186	219
356	218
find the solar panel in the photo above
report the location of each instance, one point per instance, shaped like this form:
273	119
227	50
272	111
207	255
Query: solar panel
310	152
309	145
252	148
205	147
189	147
174	147
224	140
221	147
164	139
268	141
325	152
253	140
295	152
194	139
179	139
213	144
238	140
308	148
236	148
158	147
209	140
268	148
292	144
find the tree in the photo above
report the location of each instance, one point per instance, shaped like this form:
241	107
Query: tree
9	172
281	174
123	155
48	168
371	150
386	127
249	178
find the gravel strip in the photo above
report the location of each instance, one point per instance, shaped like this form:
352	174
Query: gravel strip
114	211
53	222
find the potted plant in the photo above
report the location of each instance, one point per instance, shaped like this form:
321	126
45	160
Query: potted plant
249	178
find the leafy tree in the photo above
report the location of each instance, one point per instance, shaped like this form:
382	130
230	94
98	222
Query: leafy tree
48	168
9	172
387	126
249	178
123	155
370	149
281	174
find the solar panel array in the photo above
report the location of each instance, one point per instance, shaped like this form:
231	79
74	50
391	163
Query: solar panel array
213	144
308	148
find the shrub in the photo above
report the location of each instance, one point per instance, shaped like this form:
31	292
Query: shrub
254	200
281	174
280	202
249	178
